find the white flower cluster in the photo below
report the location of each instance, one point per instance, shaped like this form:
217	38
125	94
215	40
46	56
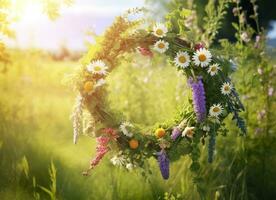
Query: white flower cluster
202	57
77	118
124	127
122	161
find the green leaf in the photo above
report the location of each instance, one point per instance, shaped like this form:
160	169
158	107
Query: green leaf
23	166
235	25
195	166
185	13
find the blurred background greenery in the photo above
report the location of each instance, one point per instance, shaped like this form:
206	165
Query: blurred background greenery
39	161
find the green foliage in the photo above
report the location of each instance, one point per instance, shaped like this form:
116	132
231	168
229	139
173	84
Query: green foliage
52	7
23	166
215	12
211	145
34	124
168	196
53	186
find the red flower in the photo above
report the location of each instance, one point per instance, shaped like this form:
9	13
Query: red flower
199	46
101	149
110	132
145	51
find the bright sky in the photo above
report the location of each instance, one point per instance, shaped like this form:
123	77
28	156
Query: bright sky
272	34
35	29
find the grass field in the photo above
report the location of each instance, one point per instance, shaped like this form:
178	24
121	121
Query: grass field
36	128
35	131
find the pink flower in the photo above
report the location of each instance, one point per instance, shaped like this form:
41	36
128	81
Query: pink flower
101	149
145	51
110	132
270	91
102	141
199	46
257	41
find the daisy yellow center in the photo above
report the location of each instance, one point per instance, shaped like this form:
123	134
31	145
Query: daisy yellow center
161	45
226	88
213	69
159	31
182	59
202	57
216	109
97	68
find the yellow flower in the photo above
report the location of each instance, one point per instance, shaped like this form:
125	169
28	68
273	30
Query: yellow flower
133	144
88	86
160	132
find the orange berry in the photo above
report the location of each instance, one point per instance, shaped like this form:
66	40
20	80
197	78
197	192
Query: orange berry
160	132
133	144
88	86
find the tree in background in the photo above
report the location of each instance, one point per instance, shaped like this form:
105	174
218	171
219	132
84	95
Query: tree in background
266	12
8	16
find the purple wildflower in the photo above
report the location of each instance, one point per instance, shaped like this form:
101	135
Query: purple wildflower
198	98
175	133
257	41
164	164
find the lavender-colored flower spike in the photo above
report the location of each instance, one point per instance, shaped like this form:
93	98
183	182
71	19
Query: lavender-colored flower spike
175	133
164	164
198	98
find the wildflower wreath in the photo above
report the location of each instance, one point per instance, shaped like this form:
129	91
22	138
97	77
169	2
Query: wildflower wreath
214	98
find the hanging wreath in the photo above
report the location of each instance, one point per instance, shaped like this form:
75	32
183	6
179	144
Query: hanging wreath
214	98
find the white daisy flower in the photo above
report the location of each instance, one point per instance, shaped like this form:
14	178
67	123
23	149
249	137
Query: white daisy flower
226	88
100	83
202	57
215	110
213	69
118	160
130	166
97	67
182	59
188	131
161	46
124	128
160	30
